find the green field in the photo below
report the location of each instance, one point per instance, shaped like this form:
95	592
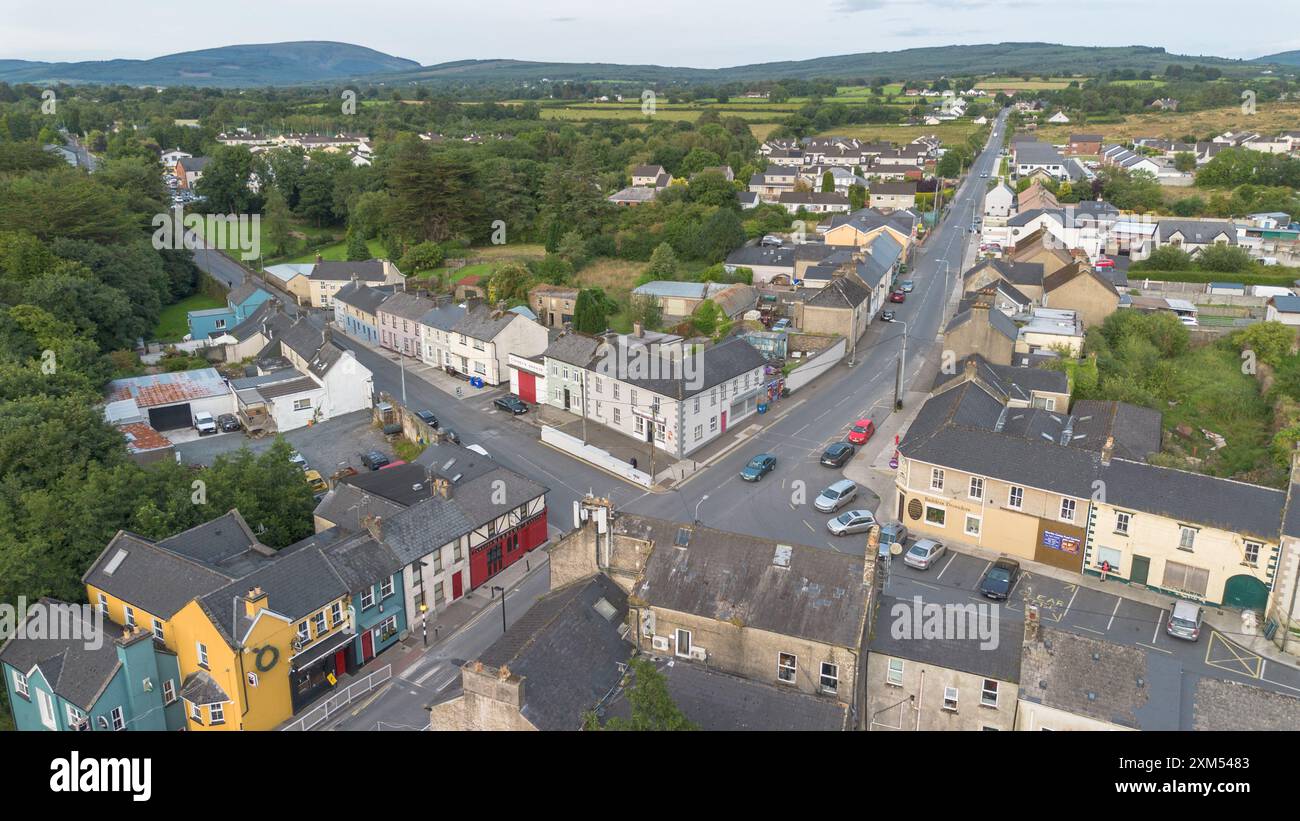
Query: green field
172	324
336	252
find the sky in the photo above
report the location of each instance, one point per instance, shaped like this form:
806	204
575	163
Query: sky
697	33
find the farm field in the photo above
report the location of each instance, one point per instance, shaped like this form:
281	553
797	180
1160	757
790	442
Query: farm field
1021	84
1269	118
952	132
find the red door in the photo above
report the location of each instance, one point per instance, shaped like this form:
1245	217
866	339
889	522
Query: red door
455	586
724	422
527	386
367	646
340	663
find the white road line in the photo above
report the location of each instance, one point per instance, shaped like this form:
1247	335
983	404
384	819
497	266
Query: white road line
952	557
1157	649
1118	602
1069	604
1280	684
810	527
1089	629
422	679
1156	634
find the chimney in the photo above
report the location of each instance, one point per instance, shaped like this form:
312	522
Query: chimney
1107	449
637	330
254	602
374	524
442	487
319	259
970	367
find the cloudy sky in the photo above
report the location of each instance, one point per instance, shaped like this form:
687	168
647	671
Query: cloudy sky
700	33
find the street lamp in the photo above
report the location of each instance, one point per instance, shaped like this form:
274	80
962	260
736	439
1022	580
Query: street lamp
702	500
902	363
495	589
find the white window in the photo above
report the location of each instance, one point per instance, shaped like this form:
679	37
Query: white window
319	620
336	613
950	699
830	679
699	431
1252	553
618	417
936	479
640	425
976	487
20	685
158	630
119	722
1067	510
697	404
787	664
386	588
128	615
46	704
684	643
1187	538
302	404
989	693
74	715
217	714
304	632
169	691
713	424
202	652
1121	522
368	597
103	605
1016	497
972	525
196	713
895	674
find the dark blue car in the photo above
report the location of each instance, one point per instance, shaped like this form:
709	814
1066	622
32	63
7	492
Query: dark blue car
758	467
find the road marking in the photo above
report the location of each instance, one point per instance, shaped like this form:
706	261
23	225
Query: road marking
1070	603
952	557
1157	649
1089	629
419	682
1156	633
805	524
1118	602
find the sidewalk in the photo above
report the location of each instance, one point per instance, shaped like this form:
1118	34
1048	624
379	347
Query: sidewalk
453	386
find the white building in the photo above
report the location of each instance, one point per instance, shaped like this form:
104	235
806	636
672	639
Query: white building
480	343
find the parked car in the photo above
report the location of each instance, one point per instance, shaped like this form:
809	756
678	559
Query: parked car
1185	620
1188	320
315	481
907	286
1104	262
770	241
897	296
427	418
228	422
1000	578
886	316
891	533
204	423
511	404
298	459
923	554
837	454
452	435
850	522
374	460
836	496
758	467
861	431
781	324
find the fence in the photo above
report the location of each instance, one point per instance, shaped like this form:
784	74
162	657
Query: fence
341	699
816	366
590	453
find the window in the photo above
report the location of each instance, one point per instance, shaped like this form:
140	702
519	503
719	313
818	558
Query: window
1047	403
787	665
437	561
438	596
196	713
74	715
936	479
20	685
216	714
640	425
972	525
201	650
633	403
618	417
976	487
336	613
950	699
936	516
1252	553
1121	522
158	630
1186	579
119	721
386	588
1016	497
895	674
368	598
697	405
699	431
713	424
1067	510
319	620
169	691
302	404
1187	538
683	643
128	614
456	554
989	693
304	633
103	605
616	391
830	679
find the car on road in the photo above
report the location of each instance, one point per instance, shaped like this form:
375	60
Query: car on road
374	460
298	459
897	296
923	554
1104	262
511	404
427	418
861	431
204	423
228	422
1185	620
315	481
850	522
999	579
837	454
758	467
984	176
886	316
892	533
836	496
907	286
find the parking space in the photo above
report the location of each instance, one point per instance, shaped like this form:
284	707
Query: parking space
1052	596
326	447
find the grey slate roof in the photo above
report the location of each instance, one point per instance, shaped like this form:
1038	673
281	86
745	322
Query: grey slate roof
1017	273
1037	153
1196	231
573	348
296	584
363	297
965	655
719	575
406	305
151	578
869	219
840	292
443	317
360	561
200	687
569	654
1291	524
1015	382
713	366
484	323
242	292
346	506
1000	322
1136	430
750	255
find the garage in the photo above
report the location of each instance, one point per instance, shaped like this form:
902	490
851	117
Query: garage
527	387
171	417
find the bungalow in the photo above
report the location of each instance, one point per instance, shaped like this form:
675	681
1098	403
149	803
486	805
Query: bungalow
893	195
651	176
1193	236
240	303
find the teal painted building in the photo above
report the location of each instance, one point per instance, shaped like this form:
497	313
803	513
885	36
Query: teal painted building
240	304
380	617
129	682
373	575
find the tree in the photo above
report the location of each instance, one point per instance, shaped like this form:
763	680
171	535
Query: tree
275	214
573	249
1165	258
424	256
553	269
644	310
663	264
720	234
1270	341
357	249
652	706
591	311
225	181
711	188
857	197
706	317
828	183
1227	259
510	282
1185	161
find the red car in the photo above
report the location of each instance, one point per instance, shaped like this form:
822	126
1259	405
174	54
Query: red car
897	296
1104	262
861	431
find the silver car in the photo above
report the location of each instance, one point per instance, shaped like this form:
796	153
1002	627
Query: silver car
923	554
1185	621
851	521
836	496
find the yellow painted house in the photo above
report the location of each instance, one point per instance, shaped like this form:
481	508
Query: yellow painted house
861	227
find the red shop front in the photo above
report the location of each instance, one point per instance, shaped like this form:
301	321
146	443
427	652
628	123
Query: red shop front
506	548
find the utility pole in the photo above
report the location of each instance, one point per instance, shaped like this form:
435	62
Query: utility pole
902	364
583	377
401	362
496	588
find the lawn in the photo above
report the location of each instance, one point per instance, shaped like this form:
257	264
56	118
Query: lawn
172	324
336	253
1020	84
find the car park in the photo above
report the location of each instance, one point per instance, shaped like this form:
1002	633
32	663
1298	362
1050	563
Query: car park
427	418
204	423
837	455
1185	619
850	522
892	533
897	296
861	431
923	554
836	496
511	404
999	579
886	316
758	467
374	460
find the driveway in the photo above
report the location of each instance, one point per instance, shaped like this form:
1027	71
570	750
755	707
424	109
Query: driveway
326	446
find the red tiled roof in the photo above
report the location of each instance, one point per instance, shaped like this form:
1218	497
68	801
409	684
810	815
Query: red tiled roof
141	437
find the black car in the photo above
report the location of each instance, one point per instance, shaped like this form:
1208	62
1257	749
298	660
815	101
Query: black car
428	418
374	460
228	422
1000	578
512	404
837	454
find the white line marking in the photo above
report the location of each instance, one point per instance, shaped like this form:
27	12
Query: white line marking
1118	602
1157	649
1155	635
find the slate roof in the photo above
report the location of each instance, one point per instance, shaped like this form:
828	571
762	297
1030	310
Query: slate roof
151	578
1037	153
264	314
363	297
1136	430
213	542
310	343
840	292
866	220
346	506
240	293
360	561
1073	271
1000	322
1196	231
484	323
1286	304
405	305
715	365
750	255
966	655
201	688
573	348
726	576
569	654
813	198
1233	705
296	584
1017	273
893	188
443	317
1013	382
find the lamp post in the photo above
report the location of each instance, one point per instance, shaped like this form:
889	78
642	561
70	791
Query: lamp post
702	500
496	588
902	363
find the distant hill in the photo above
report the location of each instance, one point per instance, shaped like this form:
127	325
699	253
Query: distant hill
1284	58
231	66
